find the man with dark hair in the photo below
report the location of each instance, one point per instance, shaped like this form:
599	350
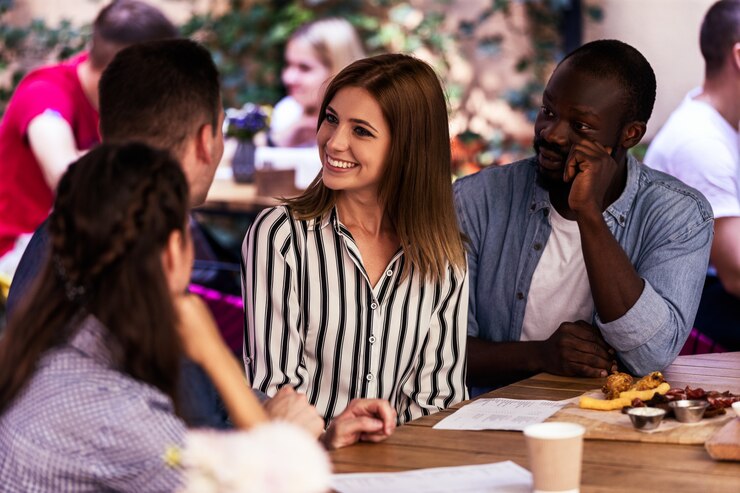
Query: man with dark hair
699	145
166	94
172	100
581	258
52	119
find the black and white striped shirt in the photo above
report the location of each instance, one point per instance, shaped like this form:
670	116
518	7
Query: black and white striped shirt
313	321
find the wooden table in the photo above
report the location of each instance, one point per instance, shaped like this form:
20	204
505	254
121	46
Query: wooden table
607	465
230	195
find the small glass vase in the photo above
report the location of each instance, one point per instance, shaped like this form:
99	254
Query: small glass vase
242	164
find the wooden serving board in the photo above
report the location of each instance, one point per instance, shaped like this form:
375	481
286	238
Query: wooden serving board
725	443
613	425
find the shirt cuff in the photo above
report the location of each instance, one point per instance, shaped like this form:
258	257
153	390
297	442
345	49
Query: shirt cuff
640	324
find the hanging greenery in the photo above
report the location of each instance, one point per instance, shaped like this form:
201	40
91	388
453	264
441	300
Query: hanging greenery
247	41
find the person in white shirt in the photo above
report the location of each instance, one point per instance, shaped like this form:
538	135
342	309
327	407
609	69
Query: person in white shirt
314	54
699	145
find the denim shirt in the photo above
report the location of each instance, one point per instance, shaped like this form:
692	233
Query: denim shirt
664	226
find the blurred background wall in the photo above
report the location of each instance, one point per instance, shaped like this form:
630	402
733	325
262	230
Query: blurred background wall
667	33
489	52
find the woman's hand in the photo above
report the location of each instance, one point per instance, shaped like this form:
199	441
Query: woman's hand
293	407
367	420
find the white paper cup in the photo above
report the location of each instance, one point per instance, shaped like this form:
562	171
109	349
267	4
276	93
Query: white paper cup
555	450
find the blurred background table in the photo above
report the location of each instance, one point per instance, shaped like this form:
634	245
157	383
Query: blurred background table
228	195
607	465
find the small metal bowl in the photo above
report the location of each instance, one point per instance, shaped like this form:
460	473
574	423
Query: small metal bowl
689	411
736	407
646	418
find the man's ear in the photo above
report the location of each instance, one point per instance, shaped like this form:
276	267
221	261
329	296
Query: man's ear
632	134
736	56
204	143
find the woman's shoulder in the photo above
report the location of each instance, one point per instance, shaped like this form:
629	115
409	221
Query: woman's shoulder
277	217
81	414
277	225
287	111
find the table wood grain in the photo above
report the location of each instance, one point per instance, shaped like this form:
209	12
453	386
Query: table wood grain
607	465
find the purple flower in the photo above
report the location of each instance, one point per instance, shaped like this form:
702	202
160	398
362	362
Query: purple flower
244	123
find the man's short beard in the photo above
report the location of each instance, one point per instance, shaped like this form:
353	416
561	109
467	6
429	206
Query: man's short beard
547	181
551	184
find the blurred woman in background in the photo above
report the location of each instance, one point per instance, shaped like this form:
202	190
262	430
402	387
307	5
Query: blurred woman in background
314	54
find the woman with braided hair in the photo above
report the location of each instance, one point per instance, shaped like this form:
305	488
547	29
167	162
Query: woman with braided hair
88	367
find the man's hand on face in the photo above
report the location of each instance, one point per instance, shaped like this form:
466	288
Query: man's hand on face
293	407
578	349
592	170
367	420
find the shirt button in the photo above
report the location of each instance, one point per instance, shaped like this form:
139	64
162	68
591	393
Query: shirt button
538	246
389	273
369	377
373	305
372	339
247	360
520	295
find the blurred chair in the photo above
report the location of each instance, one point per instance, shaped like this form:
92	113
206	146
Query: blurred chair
228	312
698	343
4	288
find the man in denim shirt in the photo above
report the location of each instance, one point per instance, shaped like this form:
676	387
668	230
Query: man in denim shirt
581	257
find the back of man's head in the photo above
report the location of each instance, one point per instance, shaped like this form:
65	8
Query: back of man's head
720	31
615	60
125	22
160	93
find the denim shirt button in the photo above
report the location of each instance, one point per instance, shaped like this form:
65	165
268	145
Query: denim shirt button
520	295
537	246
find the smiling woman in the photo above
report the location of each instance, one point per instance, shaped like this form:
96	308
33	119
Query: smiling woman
358	288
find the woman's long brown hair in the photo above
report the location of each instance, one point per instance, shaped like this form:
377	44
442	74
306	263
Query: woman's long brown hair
416	187
113	215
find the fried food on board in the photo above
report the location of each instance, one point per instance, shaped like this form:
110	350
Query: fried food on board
619	382
616	383
649	381
625	398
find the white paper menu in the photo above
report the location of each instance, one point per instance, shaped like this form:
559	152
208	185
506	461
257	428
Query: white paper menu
504	477
500	414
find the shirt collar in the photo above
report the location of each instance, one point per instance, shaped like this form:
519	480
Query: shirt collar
327	219
89	339
620	208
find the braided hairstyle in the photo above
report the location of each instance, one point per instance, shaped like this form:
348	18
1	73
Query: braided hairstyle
113	215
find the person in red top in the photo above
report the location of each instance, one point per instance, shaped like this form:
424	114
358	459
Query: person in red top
52	119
